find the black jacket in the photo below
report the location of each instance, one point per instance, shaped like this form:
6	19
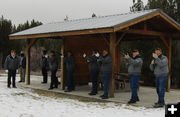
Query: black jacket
11	63
44	62
53	63
23	62
92	63
70	63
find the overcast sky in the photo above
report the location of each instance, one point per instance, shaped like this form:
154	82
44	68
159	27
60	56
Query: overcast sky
47	11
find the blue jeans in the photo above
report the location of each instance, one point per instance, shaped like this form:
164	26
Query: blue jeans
134	83
106	78
70	81
94	75
160	88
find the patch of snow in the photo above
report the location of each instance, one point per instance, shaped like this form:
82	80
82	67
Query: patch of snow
25	103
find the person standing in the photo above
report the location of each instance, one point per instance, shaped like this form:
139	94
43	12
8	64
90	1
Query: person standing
70	67
160	67
94	70
44	66
11	67
22	67
134	71
105	62
53	65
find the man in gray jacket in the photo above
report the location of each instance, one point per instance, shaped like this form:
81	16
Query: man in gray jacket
105	62
134	71
161	70
11	65
94	70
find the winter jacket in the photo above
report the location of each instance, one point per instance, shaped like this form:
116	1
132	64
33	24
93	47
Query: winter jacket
70	63
22	62
105	63
92	63
11	63
135	65
44	62
53	64
160	67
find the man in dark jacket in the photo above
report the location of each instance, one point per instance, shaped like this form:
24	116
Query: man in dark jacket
70	66
134	71
44	66
94	70
11	65
161	70
22	66
53	65
106	67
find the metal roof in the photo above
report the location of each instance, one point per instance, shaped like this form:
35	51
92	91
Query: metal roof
89	23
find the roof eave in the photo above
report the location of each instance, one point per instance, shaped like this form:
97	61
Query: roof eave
61	34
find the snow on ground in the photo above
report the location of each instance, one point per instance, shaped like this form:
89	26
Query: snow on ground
24	103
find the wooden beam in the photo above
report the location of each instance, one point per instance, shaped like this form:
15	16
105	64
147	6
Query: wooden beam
170	21
170	59
32	43
105	39
122	36
113	51
136	21
176	34
142	32
82	32
62	66
164	41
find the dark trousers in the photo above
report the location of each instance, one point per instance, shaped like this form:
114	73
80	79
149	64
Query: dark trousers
12	73
54	80
70	81
94	75
106	78
45	75
134	83
160	88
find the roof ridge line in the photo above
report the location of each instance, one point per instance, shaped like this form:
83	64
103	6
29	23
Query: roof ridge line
104	16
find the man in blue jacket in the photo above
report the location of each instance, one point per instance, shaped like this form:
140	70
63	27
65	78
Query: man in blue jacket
160	67
134	71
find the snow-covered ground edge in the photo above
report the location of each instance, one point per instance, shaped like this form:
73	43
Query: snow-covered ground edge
25	103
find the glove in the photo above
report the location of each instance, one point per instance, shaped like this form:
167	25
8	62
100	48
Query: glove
6	71
127	56
152	62
154	55
62	56
88	61
46	56
84	55
17	71
97	54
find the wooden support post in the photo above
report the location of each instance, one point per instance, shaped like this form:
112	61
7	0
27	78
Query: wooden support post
113	51
164	41
170	59
28	63
62	66
29	44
